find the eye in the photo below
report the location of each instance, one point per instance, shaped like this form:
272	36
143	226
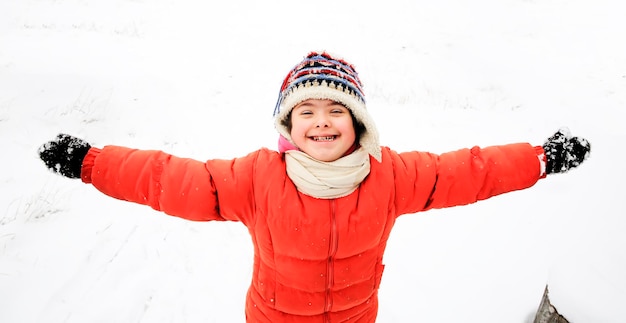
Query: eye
339	111
306	112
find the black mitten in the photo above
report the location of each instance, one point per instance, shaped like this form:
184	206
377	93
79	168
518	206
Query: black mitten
64	155
564	152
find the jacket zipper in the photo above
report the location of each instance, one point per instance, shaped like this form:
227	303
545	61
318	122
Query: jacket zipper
330	267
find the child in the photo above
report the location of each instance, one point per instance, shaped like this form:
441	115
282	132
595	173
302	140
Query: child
320	210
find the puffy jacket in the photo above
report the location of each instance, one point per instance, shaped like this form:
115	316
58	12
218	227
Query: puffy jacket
315	260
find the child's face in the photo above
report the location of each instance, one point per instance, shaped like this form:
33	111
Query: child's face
322	129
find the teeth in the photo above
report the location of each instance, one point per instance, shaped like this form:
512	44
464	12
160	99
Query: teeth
326	138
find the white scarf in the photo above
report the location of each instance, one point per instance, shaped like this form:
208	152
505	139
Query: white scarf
327	180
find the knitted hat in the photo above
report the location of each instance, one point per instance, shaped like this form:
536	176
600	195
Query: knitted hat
323	77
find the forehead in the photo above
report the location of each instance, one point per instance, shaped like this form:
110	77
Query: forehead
318	103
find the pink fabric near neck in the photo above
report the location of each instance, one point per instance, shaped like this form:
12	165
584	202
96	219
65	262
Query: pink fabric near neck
284	144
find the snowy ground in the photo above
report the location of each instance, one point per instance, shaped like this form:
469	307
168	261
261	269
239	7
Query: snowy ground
200	79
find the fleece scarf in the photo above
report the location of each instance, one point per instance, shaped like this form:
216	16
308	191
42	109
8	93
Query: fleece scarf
327	180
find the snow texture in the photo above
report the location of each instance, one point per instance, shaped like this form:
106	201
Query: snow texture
200	79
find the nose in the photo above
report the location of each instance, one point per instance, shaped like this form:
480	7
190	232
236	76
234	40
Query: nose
322	121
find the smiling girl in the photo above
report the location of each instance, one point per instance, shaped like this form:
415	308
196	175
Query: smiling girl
320	209
323	129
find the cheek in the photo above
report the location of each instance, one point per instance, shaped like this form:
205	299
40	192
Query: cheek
298	129
295	127
347	128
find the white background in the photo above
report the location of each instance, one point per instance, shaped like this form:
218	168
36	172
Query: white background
200	79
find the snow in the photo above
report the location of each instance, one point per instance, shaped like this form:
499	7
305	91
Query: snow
200	79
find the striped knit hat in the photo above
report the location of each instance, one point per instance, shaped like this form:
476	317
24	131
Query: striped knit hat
323	77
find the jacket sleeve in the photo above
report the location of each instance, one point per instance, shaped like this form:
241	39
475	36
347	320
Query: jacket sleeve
425	181
177	186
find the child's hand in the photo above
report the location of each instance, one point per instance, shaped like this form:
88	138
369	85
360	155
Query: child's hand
564	152
64	155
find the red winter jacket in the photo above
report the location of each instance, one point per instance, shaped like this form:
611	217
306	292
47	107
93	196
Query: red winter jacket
315	260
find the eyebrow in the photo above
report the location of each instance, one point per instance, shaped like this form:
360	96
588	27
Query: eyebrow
306	103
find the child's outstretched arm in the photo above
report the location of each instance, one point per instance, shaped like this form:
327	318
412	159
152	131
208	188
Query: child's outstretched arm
176	186
465	176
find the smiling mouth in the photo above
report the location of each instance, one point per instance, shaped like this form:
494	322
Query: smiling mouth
324	138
